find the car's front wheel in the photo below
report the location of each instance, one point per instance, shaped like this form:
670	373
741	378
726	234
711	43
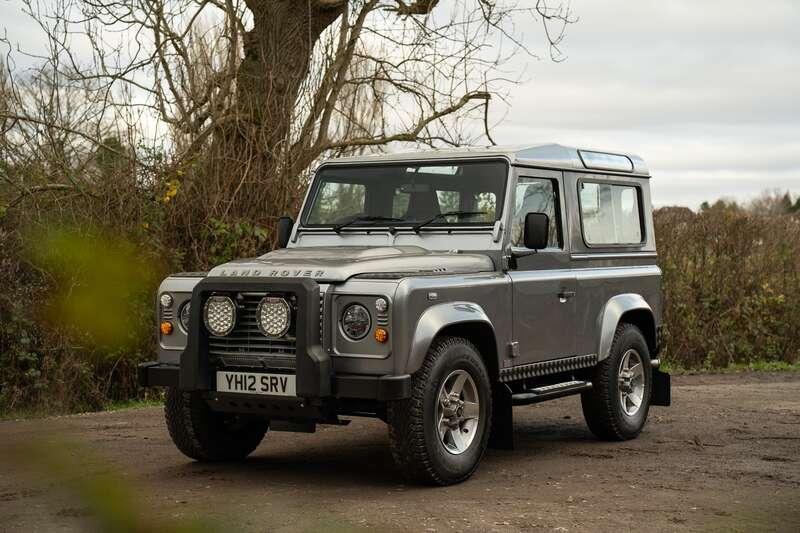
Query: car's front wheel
439	434
205	435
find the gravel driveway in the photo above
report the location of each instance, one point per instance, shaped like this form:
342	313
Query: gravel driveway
725	457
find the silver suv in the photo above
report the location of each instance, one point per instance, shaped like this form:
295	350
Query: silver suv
434	291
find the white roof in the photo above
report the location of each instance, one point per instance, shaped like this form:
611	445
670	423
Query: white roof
539	155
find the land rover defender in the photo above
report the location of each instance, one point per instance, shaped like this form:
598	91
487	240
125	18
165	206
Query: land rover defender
434	291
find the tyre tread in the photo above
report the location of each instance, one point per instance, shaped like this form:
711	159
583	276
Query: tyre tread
191	426
599	404
406	422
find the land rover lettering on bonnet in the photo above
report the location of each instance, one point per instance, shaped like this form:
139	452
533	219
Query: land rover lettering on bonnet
256	272
434	291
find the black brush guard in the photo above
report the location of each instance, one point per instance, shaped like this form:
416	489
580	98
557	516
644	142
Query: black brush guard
313	372
313	364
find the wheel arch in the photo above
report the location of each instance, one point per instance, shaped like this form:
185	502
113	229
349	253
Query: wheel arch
627	308
459	319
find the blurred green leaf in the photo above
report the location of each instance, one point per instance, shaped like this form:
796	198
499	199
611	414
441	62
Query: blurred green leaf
100	284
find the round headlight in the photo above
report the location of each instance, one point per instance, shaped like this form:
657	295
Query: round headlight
274	316
186	314
356	322
219	314
166	300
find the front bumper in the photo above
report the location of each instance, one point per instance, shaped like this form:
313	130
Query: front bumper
349	386
314	371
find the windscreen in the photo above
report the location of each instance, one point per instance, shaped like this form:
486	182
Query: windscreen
463	194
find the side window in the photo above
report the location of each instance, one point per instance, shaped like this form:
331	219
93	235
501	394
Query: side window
536	195
611	214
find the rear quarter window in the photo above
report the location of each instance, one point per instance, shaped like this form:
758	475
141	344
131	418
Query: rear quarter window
611	214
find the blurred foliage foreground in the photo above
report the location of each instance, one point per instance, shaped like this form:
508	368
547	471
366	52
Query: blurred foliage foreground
76	309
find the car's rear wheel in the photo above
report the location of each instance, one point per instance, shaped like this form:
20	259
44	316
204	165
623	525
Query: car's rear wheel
616	408
205	435
439	434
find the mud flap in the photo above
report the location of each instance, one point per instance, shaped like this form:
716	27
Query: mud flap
662	389
501	436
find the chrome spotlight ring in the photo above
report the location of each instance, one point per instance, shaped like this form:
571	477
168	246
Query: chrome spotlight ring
274	310
219	311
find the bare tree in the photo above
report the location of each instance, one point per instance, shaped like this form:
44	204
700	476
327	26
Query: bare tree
772	202
255	91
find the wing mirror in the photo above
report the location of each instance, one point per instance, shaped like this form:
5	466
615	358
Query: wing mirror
285	225
537	231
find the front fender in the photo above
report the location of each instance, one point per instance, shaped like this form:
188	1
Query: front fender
611	315
180	286
434	320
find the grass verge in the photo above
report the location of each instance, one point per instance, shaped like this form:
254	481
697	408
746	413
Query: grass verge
134	404
758	366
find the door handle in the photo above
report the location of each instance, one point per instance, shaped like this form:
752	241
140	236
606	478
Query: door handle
564	296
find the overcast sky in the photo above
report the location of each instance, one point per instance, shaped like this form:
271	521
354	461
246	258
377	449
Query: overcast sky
708	92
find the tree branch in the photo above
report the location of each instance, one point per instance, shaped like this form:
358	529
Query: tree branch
417	7
30	191
412	134
33	120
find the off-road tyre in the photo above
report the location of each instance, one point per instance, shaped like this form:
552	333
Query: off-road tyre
205	435
602	407
415	444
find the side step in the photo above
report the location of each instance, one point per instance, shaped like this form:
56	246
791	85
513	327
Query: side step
551	392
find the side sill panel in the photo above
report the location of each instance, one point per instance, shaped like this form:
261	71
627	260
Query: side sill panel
546	368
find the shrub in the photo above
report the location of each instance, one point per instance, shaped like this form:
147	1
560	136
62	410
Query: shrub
731	285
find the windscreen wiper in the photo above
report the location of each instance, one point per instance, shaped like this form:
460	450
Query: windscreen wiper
337	228
440	216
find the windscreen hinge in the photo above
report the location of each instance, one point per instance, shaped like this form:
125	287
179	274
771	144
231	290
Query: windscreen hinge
497	232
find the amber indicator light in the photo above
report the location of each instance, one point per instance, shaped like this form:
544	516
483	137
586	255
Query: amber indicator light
166	328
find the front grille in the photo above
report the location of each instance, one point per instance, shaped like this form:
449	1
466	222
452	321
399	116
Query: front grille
247	347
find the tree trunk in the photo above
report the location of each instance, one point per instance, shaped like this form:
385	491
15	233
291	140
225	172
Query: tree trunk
277	55
251	151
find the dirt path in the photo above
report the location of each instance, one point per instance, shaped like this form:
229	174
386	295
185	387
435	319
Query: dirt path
725	457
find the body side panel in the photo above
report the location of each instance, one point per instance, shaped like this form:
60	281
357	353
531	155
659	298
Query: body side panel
599	286
418	318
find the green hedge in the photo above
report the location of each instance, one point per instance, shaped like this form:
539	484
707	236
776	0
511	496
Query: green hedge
731	286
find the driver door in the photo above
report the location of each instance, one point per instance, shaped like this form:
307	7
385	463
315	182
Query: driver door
543	285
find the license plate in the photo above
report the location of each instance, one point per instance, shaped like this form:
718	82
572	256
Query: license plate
256	383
